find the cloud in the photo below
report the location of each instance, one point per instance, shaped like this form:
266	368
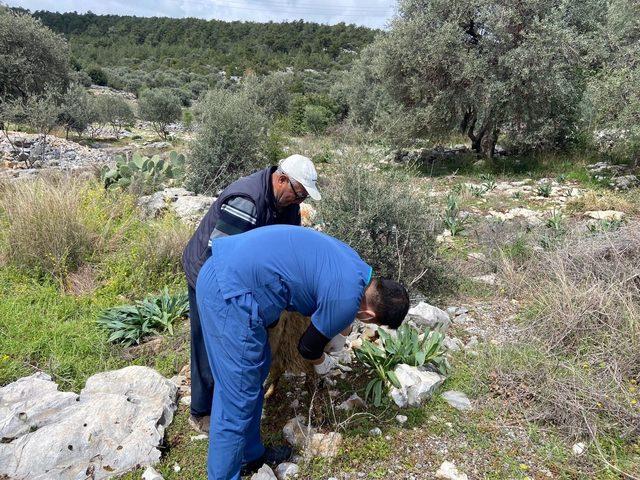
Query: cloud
372	13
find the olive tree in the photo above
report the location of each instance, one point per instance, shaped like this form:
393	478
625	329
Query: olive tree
40	112
161	107
484	67
32	57
78	110
230	141
612	102
115	111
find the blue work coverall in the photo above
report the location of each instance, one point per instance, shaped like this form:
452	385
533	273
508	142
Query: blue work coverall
241	290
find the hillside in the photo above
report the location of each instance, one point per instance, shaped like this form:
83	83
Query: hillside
196	44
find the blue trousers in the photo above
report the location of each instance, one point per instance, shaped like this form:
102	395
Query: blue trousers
238	349
201	376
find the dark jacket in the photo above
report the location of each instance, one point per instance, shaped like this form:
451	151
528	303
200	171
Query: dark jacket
256	187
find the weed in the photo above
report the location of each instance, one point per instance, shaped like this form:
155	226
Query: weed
556	221
477	191
604	226
544	189
454	222
130	324
405	347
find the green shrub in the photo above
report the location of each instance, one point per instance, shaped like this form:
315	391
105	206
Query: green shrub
316	118
390	225
160	107
272	93
406	347
98	76
229	143
130	324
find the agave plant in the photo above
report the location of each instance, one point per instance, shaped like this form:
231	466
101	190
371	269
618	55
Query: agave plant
544	189
156	314
454	222
408	346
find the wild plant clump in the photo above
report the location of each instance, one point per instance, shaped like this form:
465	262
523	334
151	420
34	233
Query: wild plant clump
408	346
387	222
130	324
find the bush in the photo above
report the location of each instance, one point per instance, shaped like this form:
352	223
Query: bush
316	118
160	107
230	141
380	215
44	230
98	76
272	93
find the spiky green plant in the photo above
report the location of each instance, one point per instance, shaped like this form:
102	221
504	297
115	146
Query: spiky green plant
477	190
454	222
156	314
544	190
406	347
556	221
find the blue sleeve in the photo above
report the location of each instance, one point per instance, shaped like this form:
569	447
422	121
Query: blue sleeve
333	316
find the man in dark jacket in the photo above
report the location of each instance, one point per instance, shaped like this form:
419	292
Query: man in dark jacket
267	197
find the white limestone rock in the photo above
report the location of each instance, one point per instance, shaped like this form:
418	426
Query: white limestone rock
114	425
416	385
427	315
457	400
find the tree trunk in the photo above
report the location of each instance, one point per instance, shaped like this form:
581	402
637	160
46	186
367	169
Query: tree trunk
484	141
489	143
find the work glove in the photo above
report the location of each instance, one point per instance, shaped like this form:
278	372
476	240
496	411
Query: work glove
336	344
330	366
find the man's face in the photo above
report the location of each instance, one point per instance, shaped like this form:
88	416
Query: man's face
286	193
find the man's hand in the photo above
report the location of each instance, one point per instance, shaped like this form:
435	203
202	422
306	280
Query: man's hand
329	366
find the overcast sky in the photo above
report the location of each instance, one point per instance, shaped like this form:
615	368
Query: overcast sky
372	13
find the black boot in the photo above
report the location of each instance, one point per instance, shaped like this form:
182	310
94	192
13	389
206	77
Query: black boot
272	456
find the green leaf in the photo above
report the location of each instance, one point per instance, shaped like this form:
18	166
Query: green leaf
377	393
393	378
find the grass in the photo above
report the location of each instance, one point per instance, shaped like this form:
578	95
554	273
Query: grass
45	325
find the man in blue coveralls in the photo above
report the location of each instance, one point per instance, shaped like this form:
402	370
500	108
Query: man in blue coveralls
242	290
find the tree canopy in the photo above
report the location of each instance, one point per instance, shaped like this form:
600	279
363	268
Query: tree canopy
32	57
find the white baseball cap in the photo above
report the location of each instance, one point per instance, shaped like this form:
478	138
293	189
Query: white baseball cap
301	169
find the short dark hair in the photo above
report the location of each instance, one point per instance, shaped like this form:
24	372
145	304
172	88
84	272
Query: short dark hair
390	302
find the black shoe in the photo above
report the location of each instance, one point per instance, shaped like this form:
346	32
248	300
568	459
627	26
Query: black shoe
272	456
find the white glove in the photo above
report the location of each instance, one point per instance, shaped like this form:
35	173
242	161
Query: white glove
329	365
336	344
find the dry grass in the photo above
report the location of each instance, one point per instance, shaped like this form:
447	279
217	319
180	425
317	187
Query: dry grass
161	247
44	228
601	200
580	366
